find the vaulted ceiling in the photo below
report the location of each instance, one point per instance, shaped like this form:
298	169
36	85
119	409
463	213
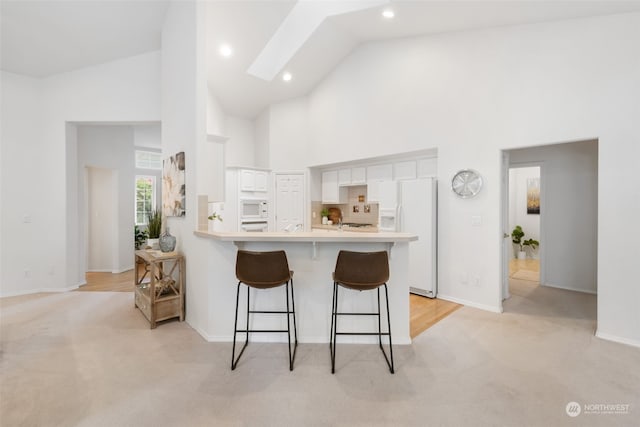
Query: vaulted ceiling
305	38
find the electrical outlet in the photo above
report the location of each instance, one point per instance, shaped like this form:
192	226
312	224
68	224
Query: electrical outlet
313	214
27	273
476	281
26	219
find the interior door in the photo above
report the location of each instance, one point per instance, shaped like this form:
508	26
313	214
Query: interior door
289	201
504	225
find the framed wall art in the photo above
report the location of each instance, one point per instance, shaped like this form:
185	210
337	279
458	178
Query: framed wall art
173	186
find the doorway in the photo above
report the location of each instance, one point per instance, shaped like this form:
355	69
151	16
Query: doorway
525	217
568	218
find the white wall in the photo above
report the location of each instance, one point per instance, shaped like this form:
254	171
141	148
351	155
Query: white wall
188	114
518	215
38	114
147	136
261	137
21	242
568	246
240	148
472	94
289	135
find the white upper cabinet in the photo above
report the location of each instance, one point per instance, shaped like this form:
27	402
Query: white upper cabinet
331	190
404	170
247	180
359	175
344	177
261	181
352	176
253	180
380	173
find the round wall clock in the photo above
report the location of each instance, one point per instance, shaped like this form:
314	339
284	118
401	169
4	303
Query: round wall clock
466	183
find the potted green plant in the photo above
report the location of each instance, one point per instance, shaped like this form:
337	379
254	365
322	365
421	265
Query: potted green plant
154	226
532	244
325	215
140	237
517	237
217	220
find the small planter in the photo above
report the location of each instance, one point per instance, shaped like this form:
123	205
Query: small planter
522	255
325	220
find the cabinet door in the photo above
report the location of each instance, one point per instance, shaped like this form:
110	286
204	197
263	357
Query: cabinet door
380	172
247	180
404	170
344	177
359	175
331	191
261	181
373	191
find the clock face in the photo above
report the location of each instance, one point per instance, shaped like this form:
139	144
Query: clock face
466	183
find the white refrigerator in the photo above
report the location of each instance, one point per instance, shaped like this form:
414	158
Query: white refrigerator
411	206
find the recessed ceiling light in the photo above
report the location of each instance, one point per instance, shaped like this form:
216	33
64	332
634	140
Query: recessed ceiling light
226	50
287	76
388	13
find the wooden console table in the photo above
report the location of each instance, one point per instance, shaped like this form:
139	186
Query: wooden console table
159	291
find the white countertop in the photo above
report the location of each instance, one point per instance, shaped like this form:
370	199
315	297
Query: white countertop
313	236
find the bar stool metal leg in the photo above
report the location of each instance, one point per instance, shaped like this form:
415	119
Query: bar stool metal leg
334	317
295	346
234	361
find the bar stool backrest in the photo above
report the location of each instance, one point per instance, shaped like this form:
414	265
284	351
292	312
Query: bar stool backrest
262	269
362	270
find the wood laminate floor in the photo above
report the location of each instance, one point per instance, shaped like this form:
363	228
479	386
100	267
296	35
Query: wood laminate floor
424	312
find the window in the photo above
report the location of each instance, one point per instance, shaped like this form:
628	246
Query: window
145	198
148	160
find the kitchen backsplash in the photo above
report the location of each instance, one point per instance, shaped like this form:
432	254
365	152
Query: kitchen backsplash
355	210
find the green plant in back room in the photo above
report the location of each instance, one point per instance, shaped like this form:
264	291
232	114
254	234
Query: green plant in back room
140	236
517	237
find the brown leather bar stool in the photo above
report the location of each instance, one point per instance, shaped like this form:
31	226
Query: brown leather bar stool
264	270
361	271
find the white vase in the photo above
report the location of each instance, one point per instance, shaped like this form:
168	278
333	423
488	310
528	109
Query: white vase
324	220
522	255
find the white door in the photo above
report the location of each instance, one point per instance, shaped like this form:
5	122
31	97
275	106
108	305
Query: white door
506	237
289	201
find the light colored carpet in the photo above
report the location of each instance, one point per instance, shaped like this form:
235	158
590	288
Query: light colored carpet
532	276
89	359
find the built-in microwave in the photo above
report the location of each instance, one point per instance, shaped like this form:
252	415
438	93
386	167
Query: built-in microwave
253	209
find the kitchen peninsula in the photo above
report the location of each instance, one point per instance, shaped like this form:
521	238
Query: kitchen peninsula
312	257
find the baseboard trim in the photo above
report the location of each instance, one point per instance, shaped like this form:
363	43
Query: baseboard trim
122	270
620	340
39	291
567	288
468	303
99	271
